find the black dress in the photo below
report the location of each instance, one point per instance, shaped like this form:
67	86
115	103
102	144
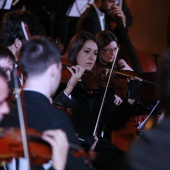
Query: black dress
85	105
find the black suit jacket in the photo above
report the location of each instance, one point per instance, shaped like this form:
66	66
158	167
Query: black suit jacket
41	115
89	21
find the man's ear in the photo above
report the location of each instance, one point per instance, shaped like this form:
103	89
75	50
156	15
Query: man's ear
18	43
53	70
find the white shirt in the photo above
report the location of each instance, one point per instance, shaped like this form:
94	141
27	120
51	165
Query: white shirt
101	16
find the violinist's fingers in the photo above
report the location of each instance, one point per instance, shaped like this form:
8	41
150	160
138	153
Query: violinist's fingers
128	79
76	70
137	78
54	137
123	65
134	78
117	100
80	69
58	141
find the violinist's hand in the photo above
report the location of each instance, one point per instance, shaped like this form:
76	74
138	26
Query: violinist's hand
117	11
123	65
59	143
76	72
117	100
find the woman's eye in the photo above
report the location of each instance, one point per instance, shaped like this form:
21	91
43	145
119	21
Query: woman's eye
96	53
86	51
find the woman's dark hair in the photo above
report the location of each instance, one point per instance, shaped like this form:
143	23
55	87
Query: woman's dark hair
11	26
3	74
76	44
104	38
6	53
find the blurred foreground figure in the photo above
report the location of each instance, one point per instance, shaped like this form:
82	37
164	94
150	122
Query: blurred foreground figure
152	150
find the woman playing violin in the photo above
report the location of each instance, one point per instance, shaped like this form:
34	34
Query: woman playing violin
108	45
85	103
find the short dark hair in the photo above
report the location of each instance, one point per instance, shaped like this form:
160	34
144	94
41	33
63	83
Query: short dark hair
6	53
76	44
3	74
104	38
38	54
11	26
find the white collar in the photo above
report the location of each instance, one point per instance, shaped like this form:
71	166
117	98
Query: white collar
99	12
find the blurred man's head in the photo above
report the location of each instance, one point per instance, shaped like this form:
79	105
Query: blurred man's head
40	58
4	108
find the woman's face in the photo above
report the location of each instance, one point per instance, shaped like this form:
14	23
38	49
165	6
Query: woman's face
108	52
87	56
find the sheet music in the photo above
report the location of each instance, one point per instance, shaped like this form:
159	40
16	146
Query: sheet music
78	8
7	5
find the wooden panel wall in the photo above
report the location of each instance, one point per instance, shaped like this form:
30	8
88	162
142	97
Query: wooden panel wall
148	32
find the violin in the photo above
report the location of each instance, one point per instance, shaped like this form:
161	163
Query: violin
40	150
11	146
98	76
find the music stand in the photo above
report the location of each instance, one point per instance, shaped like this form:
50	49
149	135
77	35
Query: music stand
139	128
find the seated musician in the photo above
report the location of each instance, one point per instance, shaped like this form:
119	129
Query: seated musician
13	37
85	103
108	45
40	60
56	138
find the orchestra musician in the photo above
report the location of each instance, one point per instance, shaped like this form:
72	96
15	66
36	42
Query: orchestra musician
40	60
108	45
56	138
85	103
13	37
97	16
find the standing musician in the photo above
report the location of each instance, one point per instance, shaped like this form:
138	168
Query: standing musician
56	138
85	103
97	17
40	60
